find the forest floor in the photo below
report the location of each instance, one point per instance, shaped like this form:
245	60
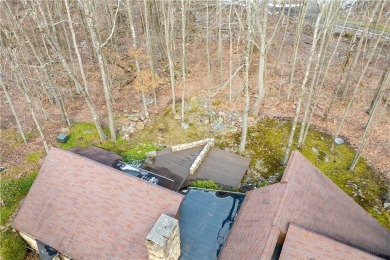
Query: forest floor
21	160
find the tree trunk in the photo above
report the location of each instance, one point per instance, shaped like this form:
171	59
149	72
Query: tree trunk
296	45
20	129
90	104
135	47
248	51
167	35
96	45
379	92
262	61
26	92
230	50
359	50
184	62
208	62
302	91
313	80
371	55
385	81
220	62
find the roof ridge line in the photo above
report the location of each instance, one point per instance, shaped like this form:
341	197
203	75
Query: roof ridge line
289	168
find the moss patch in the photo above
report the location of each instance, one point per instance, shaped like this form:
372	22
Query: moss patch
34	156
166	130
265	145
138	153
12	191
13	246
12	136
205	184
83	134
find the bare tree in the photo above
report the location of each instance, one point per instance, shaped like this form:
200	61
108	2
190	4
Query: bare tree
22	84
262	59
97	46
184	62
358	84
230	49
20	129
296	45
248	53
302	90
385	81
167	17
135	47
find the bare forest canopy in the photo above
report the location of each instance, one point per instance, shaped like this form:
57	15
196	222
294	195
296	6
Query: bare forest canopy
67	61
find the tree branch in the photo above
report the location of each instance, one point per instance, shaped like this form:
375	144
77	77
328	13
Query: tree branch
113	27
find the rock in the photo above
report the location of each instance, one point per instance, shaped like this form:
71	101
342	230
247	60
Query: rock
185	125
260	167
87	131
133	118
2	168
326	158
65	130
339	140
149	100
386	204
151	154
210	114
125	121
206	121
223	115
126	128
142	117
177	117
218	125
246	187
274	178
259	164
233	129
134	111
139	126
315	151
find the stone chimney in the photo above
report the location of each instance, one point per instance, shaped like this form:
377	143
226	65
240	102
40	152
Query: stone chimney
163	241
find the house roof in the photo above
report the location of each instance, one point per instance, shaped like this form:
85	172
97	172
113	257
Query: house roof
206	218
87	210
223	167
301	243
252	229
307	198
97	154
174	165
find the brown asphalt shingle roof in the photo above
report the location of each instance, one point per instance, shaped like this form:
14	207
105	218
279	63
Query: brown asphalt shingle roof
301	243
87	210
311	200
252	227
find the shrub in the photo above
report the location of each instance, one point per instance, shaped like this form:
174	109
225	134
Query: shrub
205	184
12	191
13	246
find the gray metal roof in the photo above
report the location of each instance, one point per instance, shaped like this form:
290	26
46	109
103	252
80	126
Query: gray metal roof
206	218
